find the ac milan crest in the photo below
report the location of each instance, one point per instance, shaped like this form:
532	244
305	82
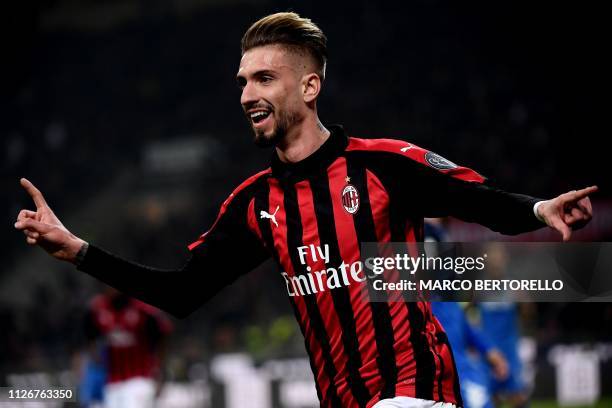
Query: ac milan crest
350	199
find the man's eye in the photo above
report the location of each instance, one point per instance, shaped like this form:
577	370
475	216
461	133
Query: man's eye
266	78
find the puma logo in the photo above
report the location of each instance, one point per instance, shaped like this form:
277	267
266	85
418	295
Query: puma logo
265	214
405	149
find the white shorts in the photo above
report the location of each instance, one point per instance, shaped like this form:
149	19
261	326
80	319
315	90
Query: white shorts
408	402
136	392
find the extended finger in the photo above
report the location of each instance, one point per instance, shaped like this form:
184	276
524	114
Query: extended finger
579	194
35	193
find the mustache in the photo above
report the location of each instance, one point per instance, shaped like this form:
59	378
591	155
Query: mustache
258	105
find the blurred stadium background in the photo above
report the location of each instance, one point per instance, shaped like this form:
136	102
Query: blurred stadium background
126	115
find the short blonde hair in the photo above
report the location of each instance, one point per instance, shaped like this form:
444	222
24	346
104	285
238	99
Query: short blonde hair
298	34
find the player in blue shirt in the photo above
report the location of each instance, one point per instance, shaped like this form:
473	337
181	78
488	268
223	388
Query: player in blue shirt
500	323
474	374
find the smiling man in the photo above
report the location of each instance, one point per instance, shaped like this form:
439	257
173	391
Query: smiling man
323	196
280	76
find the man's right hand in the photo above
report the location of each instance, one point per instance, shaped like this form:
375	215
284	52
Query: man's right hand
43	228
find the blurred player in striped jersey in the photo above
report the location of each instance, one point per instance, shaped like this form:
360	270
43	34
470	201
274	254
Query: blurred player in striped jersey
127	338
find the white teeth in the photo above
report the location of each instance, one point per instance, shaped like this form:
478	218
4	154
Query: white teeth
257	114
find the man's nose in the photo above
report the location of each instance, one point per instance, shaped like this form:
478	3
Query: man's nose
248	95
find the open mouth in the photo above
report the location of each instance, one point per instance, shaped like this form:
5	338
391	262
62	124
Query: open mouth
259	117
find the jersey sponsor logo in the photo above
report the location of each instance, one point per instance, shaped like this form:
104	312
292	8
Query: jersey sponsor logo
265	214
405	149
438	162
350	199
327	278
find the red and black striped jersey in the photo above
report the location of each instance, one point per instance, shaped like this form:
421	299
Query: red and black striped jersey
131	334
315	214
312	217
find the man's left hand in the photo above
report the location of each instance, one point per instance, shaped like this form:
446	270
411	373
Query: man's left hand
569	211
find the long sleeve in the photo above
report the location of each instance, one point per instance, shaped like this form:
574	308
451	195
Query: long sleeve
425	184
473	201
221	255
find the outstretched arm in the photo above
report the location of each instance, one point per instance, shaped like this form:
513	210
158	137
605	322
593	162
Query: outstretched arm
166	289
431	186
500	210
211	266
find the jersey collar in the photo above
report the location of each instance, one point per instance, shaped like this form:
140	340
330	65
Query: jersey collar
320	159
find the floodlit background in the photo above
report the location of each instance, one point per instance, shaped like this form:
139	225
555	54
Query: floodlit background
126	115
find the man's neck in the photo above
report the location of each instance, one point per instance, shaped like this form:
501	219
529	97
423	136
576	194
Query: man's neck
302	141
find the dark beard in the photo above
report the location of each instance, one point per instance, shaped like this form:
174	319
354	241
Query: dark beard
284	122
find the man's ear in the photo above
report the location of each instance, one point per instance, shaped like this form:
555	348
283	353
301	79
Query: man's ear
311	86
